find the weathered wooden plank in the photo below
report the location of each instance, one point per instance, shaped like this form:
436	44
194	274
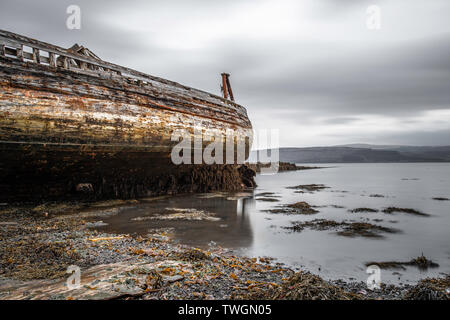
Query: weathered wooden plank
169	85
148	95
19	53
27	55
83	65
52	59
9	42
115	92
44	59
10	51
66	63
172	96
36	55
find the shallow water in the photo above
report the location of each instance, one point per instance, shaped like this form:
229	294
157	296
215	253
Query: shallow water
249	231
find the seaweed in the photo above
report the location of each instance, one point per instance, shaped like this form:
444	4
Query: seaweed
192	254
430	289
265	194
421	262
306	286
348	229
358	210
303	207
295	208
391	210
31	258
267	199
308	187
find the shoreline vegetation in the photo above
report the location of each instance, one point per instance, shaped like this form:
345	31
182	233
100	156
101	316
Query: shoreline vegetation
40	242
282	166
420	262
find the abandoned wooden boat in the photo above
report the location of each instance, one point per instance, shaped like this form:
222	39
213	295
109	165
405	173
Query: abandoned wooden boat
71	122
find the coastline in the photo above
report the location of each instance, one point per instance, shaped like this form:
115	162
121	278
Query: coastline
282	166
40	242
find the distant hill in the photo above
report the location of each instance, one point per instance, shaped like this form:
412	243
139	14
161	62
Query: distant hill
364	153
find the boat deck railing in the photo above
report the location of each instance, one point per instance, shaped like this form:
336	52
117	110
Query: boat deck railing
26	49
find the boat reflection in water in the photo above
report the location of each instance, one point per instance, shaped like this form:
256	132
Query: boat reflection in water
229	224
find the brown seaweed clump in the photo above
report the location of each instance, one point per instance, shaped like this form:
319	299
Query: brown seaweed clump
153	281
421	262
358	210
347	229
441	199
267	199
265	194
430	289
303	208
31	259
295	208
308	187
363	229
282	166
299	286
306	286
193	254
390	210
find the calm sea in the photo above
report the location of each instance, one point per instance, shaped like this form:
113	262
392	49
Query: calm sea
248	230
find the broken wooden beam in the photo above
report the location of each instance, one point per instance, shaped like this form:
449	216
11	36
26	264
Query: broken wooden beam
51	59
36	56
65	63
19	53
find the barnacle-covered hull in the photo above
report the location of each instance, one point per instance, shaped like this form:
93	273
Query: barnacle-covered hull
70	123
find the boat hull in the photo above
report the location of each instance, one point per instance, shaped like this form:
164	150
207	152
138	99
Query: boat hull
63	128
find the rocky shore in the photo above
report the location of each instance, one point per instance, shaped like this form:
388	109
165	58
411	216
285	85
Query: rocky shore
282	166
40	242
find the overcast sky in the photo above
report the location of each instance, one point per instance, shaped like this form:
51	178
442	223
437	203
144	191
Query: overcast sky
311	68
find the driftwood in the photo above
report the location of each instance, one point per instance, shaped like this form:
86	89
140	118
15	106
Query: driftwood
101	282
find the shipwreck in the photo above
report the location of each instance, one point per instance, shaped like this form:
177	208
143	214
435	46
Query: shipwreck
73	125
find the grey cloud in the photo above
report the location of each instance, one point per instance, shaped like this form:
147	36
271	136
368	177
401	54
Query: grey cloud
341	120
310	77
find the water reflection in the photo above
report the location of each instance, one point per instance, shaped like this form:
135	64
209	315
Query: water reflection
233	230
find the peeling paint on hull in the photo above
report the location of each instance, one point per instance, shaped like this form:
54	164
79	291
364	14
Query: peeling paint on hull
60	127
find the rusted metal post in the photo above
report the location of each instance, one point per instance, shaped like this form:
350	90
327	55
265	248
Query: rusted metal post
229	88
224	85
36	56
